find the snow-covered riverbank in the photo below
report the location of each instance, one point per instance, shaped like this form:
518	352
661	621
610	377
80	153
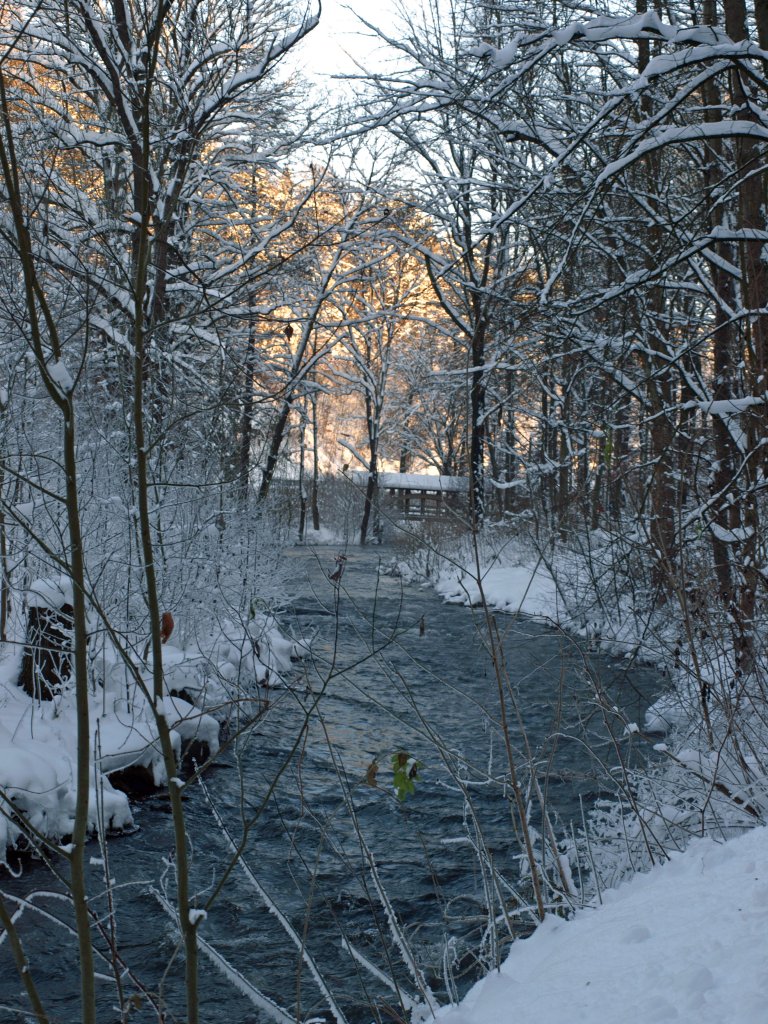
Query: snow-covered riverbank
685	942
681	942
204	682
571	591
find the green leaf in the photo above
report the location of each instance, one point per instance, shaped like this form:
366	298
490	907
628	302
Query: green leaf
406	774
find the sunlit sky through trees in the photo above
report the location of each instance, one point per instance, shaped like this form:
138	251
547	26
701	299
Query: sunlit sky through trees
341	38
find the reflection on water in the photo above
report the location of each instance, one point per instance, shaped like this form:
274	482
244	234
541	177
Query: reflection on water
389	669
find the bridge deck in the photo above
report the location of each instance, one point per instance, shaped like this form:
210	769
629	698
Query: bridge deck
422	495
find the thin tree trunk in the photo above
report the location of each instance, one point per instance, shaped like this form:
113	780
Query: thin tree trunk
302	487
315	468
37	310
753	222
246	417
370	511
477	426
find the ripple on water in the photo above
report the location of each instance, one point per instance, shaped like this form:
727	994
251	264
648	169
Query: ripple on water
298	788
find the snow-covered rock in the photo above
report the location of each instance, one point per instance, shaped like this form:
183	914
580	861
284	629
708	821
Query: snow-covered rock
38	739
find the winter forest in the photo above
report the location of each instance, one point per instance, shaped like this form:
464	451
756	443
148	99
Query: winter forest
514	257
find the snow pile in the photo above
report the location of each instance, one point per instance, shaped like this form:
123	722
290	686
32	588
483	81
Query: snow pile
517	579
670	711
38	738
685	942
50	593
528	589
37	772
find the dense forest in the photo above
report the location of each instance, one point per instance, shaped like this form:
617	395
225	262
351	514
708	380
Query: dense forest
525	246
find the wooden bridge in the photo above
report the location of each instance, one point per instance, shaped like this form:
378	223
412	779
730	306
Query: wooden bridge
420	495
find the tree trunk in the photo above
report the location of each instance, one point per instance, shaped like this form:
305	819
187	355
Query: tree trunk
47	661
246	419
752	222
477	428
371	509
315	469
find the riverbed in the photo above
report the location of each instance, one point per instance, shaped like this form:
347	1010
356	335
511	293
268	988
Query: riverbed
359	874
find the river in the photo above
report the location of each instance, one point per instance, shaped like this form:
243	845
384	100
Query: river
390	668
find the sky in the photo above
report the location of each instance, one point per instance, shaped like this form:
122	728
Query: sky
325	52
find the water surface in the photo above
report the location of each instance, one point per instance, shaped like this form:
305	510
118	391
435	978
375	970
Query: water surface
389	668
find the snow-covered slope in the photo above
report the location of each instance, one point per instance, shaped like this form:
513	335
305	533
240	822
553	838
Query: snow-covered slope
686	942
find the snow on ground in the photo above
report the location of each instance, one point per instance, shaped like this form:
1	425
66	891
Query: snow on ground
219	670
685	942
37	764
560	588
529	589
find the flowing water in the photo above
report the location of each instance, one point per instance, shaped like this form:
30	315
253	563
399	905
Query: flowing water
390	669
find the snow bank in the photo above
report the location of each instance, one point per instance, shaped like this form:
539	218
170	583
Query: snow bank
37	773
685	942
529	589
38	738
218	663
50	593
563	589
